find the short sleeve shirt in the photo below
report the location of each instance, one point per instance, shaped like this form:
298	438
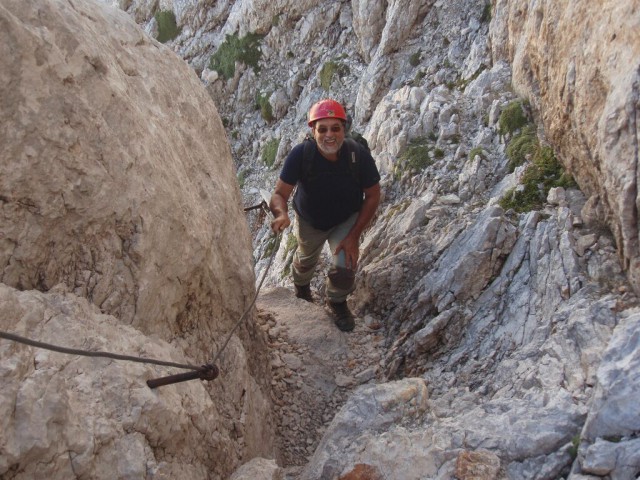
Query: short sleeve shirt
327	192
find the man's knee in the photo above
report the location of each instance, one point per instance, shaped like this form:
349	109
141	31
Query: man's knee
342	278
299	267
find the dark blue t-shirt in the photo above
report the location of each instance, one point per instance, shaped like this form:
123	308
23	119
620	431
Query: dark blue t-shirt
329	194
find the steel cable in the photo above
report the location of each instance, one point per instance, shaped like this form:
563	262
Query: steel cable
255	297
89	353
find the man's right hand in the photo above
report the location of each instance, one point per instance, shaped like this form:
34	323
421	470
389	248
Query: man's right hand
278	206
280	223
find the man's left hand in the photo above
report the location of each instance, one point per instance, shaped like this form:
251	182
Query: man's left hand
350	247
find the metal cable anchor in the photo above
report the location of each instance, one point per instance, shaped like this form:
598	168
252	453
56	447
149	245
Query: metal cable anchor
206	372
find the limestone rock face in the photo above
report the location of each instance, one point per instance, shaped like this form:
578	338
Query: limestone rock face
114	182
368	24
68	416
582	73
118	188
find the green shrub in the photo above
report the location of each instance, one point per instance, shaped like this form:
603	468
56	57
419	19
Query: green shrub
575	445
269	152
477	151
551	172
291	245
523	144
414	59
512	118
438	153
271	247
486	13
245	50
242	177
544	173
329	70
415	158
167	27
262	103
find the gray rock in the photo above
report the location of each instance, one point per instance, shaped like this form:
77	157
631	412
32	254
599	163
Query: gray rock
258	469
617	459
615	410
370	409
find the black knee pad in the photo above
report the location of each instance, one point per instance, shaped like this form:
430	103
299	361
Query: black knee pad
342	278
302	269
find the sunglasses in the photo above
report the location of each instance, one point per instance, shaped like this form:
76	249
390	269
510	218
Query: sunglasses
334	128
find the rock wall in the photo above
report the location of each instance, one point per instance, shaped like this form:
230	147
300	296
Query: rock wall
119	203
579	65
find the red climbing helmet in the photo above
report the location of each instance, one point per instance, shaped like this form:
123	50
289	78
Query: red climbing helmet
326	108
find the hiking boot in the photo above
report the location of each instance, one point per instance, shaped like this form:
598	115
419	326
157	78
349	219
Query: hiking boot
343	316
304	292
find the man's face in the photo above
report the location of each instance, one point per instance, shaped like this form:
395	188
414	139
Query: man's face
329	135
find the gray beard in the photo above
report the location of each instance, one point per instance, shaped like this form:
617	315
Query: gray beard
327	152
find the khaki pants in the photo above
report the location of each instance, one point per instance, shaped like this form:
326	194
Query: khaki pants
340	280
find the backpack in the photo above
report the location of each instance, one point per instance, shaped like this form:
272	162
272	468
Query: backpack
354	142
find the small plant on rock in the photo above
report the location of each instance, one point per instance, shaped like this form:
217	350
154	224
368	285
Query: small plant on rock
415	158
271	246
167	26
414	59
477	151
242	177
329	70
512	118
544	173
521	146
486	13
575	446
269	152
234	49
290	247
266	111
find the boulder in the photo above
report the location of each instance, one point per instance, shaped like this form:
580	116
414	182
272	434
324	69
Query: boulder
121	230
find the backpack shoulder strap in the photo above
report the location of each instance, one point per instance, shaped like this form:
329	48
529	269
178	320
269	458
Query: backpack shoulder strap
307	158
354	158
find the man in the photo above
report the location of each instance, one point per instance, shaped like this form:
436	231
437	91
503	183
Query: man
334	202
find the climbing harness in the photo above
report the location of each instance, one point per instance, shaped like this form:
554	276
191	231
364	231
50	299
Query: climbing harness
203	372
